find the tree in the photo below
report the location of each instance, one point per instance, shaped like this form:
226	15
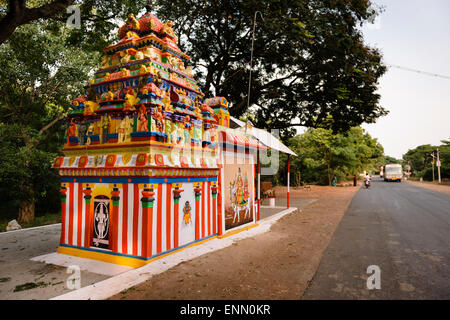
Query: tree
98	17
310	60
39	76
18	13
420	157
421	160
323	155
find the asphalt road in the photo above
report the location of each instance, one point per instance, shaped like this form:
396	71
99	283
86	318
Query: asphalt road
402	229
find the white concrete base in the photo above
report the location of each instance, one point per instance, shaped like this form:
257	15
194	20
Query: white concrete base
94	266
274	207
272	202
109	287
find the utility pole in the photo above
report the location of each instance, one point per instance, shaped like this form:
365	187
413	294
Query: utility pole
438	164
251	57
433	164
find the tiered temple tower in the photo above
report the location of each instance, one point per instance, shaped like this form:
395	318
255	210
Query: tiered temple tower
141	146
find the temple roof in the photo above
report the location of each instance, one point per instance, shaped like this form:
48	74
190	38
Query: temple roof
147	22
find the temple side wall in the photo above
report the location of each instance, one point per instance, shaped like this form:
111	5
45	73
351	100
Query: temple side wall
144	220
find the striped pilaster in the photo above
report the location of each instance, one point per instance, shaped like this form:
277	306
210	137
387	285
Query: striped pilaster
147	220
115	219
63	194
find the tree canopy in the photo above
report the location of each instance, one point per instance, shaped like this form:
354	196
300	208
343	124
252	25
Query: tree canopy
421	160
323	155
310	61
39	75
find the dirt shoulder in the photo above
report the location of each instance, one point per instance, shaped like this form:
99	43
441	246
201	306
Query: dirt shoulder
274	265
432	186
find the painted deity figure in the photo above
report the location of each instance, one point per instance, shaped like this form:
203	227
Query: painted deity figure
106	120
180	133
82	133
187	213
246	192
187	130
168	130
72	130
167	28
89	132
121	131
132	22
166	101
130	99
152	124
90	107
151	53
159	118
239	189
128	129
143	122
105	62
102	219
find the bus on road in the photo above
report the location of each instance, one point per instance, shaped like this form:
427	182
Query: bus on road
393	172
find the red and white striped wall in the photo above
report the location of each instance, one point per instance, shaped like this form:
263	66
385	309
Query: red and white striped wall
168	230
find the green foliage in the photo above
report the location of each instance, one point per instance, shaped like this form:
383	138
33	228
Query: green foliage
309	60
99	22
323	155
421	160
39	76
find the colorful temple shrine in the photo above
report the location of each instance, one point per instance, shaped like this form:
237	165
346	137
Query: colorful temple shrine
150	165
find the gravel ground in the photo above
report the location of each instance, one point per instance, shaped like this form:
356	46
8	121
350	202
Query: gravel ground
274	265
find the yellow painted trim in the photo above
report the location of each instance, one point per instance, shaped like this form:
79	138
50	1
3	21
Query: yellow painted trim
103	189
88	184
197	184
237	231
125	261
105	257
180	249
147	185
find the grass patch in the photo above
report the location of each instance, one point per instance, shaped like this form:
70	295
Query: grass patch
5	279
30	285
128	290
49	218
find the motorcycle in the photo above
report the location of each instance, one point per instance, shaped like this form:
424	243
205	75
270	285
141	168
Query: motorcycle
367	184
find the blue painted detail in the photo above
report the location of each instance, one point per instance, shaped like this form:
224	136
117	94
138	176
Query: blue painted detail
141	134
136	180
94	137
112	136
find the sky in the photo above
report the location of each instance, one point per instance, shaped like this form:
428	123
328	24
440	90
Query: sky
416	35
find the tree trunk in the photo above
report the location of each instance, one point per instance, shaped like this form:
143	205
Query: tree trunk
26	211
18	14
329	175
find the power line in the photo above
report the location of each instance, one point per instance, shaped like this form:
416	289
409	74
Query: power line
419	71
